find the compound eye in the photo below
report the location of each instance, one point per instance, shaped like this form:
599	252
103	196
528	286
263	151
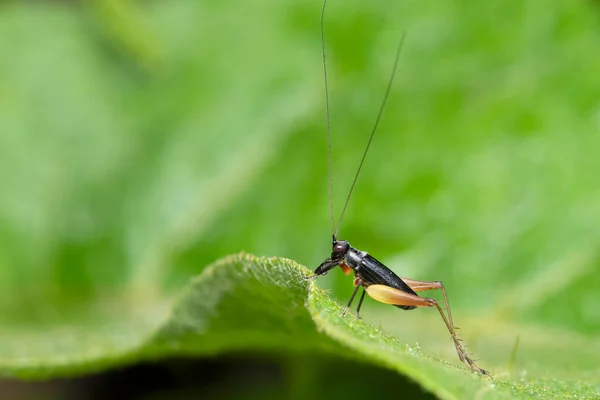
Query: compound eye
339	248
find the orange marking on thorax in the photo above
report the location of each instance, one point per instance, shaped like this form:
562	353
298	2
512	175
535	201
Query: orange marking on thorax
346	269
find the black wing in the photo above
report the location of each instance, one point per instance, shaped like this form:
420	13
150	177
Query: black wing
374	272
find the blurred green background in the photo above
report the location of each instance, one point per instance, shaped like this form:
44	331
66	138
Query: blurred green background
140	141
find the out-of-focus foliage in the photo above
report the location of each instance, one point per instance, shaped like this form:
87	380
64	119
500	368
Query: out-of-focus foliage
141	141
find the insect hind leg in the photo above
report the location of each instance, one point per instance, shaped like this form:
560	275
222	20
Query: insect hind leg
419	286
390	295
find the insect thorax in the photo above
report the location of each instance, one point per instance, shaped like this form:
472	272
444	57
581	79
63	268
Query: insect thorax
355	257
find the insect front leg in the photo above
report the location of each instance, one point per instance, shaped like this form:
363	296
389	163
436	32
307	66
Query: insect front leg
362	297
325	267
390	295
351	300
357	285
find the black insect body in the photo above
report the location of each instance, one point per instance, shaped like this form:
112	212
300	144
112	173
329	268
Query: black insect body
377	280
383	285
367	270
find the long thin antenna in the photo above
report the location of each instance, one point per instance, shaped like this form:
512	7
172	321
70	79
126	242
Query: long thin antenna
362	160
333	230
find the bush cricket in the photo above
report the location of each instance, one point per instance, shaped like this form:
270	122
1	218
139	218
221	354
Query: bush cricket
377	280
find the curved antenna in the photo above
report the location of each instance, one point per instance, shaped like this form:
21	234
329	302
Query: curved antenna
333	230
362	160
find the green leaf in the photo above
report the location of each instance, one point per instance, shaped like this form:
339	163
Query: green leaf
248	303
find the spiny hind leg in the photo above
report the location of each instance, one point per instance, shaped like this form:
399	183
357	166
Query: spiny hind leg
390	295
419	286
